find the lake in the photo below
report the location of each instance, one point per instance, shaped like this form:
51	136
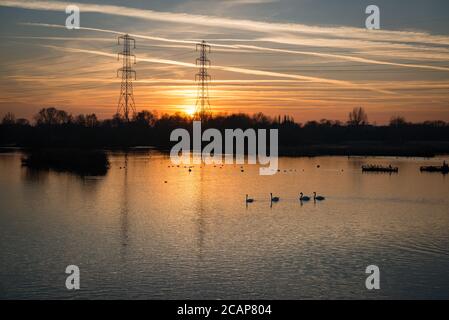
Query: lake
148	230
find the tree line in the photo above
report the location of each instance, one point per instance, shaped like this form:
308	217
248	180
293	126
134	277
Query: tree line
52	127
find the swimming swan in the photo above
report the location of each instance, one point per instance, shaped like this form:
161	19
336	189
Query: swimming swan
302	197
318	198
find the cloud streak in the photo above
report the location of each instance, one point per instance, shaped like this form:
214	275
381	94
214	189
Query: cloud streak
234	70
243	24
348	58
285	66
192	42
266	49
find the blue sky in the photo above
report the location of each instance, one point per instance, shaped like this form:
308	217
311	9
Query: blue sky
309	59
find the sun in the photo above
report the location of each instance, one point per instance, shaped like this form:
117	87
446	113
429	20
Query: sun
189	110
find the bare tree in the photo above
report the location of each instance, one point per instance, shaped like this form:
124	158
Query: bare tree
358	117
9	119
52	116
397	121
145	118
80	120
92	120
261	120
22	122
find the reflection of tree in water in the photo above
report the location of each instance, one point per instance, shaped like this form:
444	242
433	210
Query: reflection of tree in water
35	175
88	185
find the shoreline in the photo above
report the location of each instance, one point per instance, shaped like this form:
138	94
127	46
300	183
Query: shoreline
306	151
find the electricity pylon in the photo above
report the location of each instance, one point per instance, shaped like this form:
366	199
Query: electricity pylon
126	102
202	106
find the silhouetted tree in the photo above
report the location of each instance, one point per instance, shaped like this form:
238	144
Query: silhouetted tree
9	119
326	123
144	118
57	128
358	117
64	117
117	120
52	116
261	120
22	122
80	120
397	121
311	124
91	120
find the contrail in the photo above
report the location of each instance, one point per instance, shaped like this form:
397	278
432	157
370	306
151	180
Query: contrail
131	34
243	24
56	38
345	57
233	69
259	48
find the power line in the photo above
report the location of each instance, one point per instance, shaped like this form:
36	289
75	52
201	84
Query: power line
202	106
126	101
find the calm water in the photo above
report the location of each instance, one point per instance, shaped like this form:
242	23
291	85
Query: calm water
135	236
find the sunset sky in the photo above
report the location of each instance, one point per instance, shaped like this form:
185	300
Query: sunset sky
308	59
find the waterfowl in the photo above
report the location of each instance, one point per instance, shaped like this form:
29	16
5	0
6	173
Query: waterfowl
274	199
318	198
302	197
249	200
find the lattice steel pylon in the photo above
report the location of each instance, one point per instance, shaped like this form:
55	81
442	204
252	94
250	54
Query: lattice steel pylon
202	106
126	102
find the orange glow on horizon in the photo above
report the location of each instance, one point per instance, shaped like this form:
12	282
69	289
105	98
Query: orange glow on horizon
188	110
